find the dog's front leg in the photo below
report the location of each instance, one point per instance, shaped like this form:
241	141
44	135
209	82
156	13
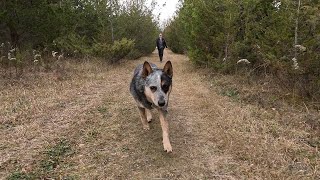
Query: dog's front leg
144	118
149	115
165	130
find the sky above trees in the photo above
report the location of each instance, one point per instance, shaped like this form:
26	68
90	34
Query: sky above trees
166	8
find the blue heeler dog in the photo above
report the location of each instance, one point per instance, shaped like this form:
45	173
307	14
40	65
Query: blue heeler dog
151	87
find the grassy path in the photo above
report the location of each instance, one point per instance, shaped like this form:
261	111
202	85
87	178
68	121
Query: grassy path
87	127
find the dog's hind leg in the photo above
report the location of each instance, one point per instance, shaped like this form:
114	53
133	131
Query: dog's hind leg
144	118
149	115
165	131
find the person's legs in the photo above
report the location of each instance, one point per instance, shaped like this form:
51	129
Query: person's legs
160	54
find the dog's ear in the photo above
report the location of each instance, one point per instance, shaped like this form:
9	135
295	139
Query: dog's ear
146	69
168	69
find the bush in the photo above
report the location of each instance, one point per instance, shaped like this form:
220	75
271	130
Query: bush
101	49
72	45
114	52
134	54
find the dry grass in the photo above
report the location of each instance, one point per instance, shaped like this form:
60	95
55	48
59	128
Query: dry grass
213	134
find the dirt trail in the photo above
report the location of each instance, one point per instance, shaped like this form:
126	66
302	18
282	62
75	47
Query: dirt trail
212	136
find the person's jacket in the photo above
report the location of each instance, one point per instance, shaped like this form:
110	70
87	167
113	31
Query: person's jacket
163	43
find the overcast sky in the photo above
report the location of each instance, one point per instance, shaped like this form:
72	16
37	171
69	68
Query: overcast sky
167	9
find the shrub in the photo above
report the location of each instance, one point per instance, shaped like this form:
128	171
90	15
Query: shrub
120	49
72	45
114	52
134	54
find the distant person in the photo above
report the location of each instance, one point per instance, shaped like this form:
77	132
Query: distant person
161	44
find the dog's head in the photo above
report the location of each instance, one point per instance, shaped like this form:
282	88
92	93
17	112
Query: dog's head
158	83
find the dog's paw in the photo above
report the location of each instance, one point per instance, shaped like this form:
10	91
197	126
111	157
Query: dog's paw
146	127
149	116
167	147
149	120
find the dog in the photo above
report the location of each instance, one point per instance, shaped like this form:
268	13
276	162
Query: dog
150	88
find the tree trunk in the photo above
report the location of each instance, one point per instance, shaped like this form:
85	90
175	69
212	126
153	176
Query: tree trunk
13	35
296	31
112	36
226	49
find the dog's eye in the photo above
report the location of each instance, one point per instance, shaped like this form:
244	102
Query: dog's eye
165	88
153	88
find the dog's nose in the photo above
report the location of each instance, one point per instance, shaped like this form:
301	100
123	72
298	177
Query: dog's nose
161	103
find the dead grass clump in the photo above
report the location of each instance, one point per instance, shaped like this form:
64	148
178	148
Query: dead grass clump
47	164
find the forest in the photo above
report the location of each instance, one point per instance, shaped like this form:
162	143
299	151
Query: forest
33	31
278	38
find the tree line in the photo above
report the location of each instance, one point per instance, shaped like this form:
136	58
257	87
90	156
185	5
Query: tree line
111	29
273	37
